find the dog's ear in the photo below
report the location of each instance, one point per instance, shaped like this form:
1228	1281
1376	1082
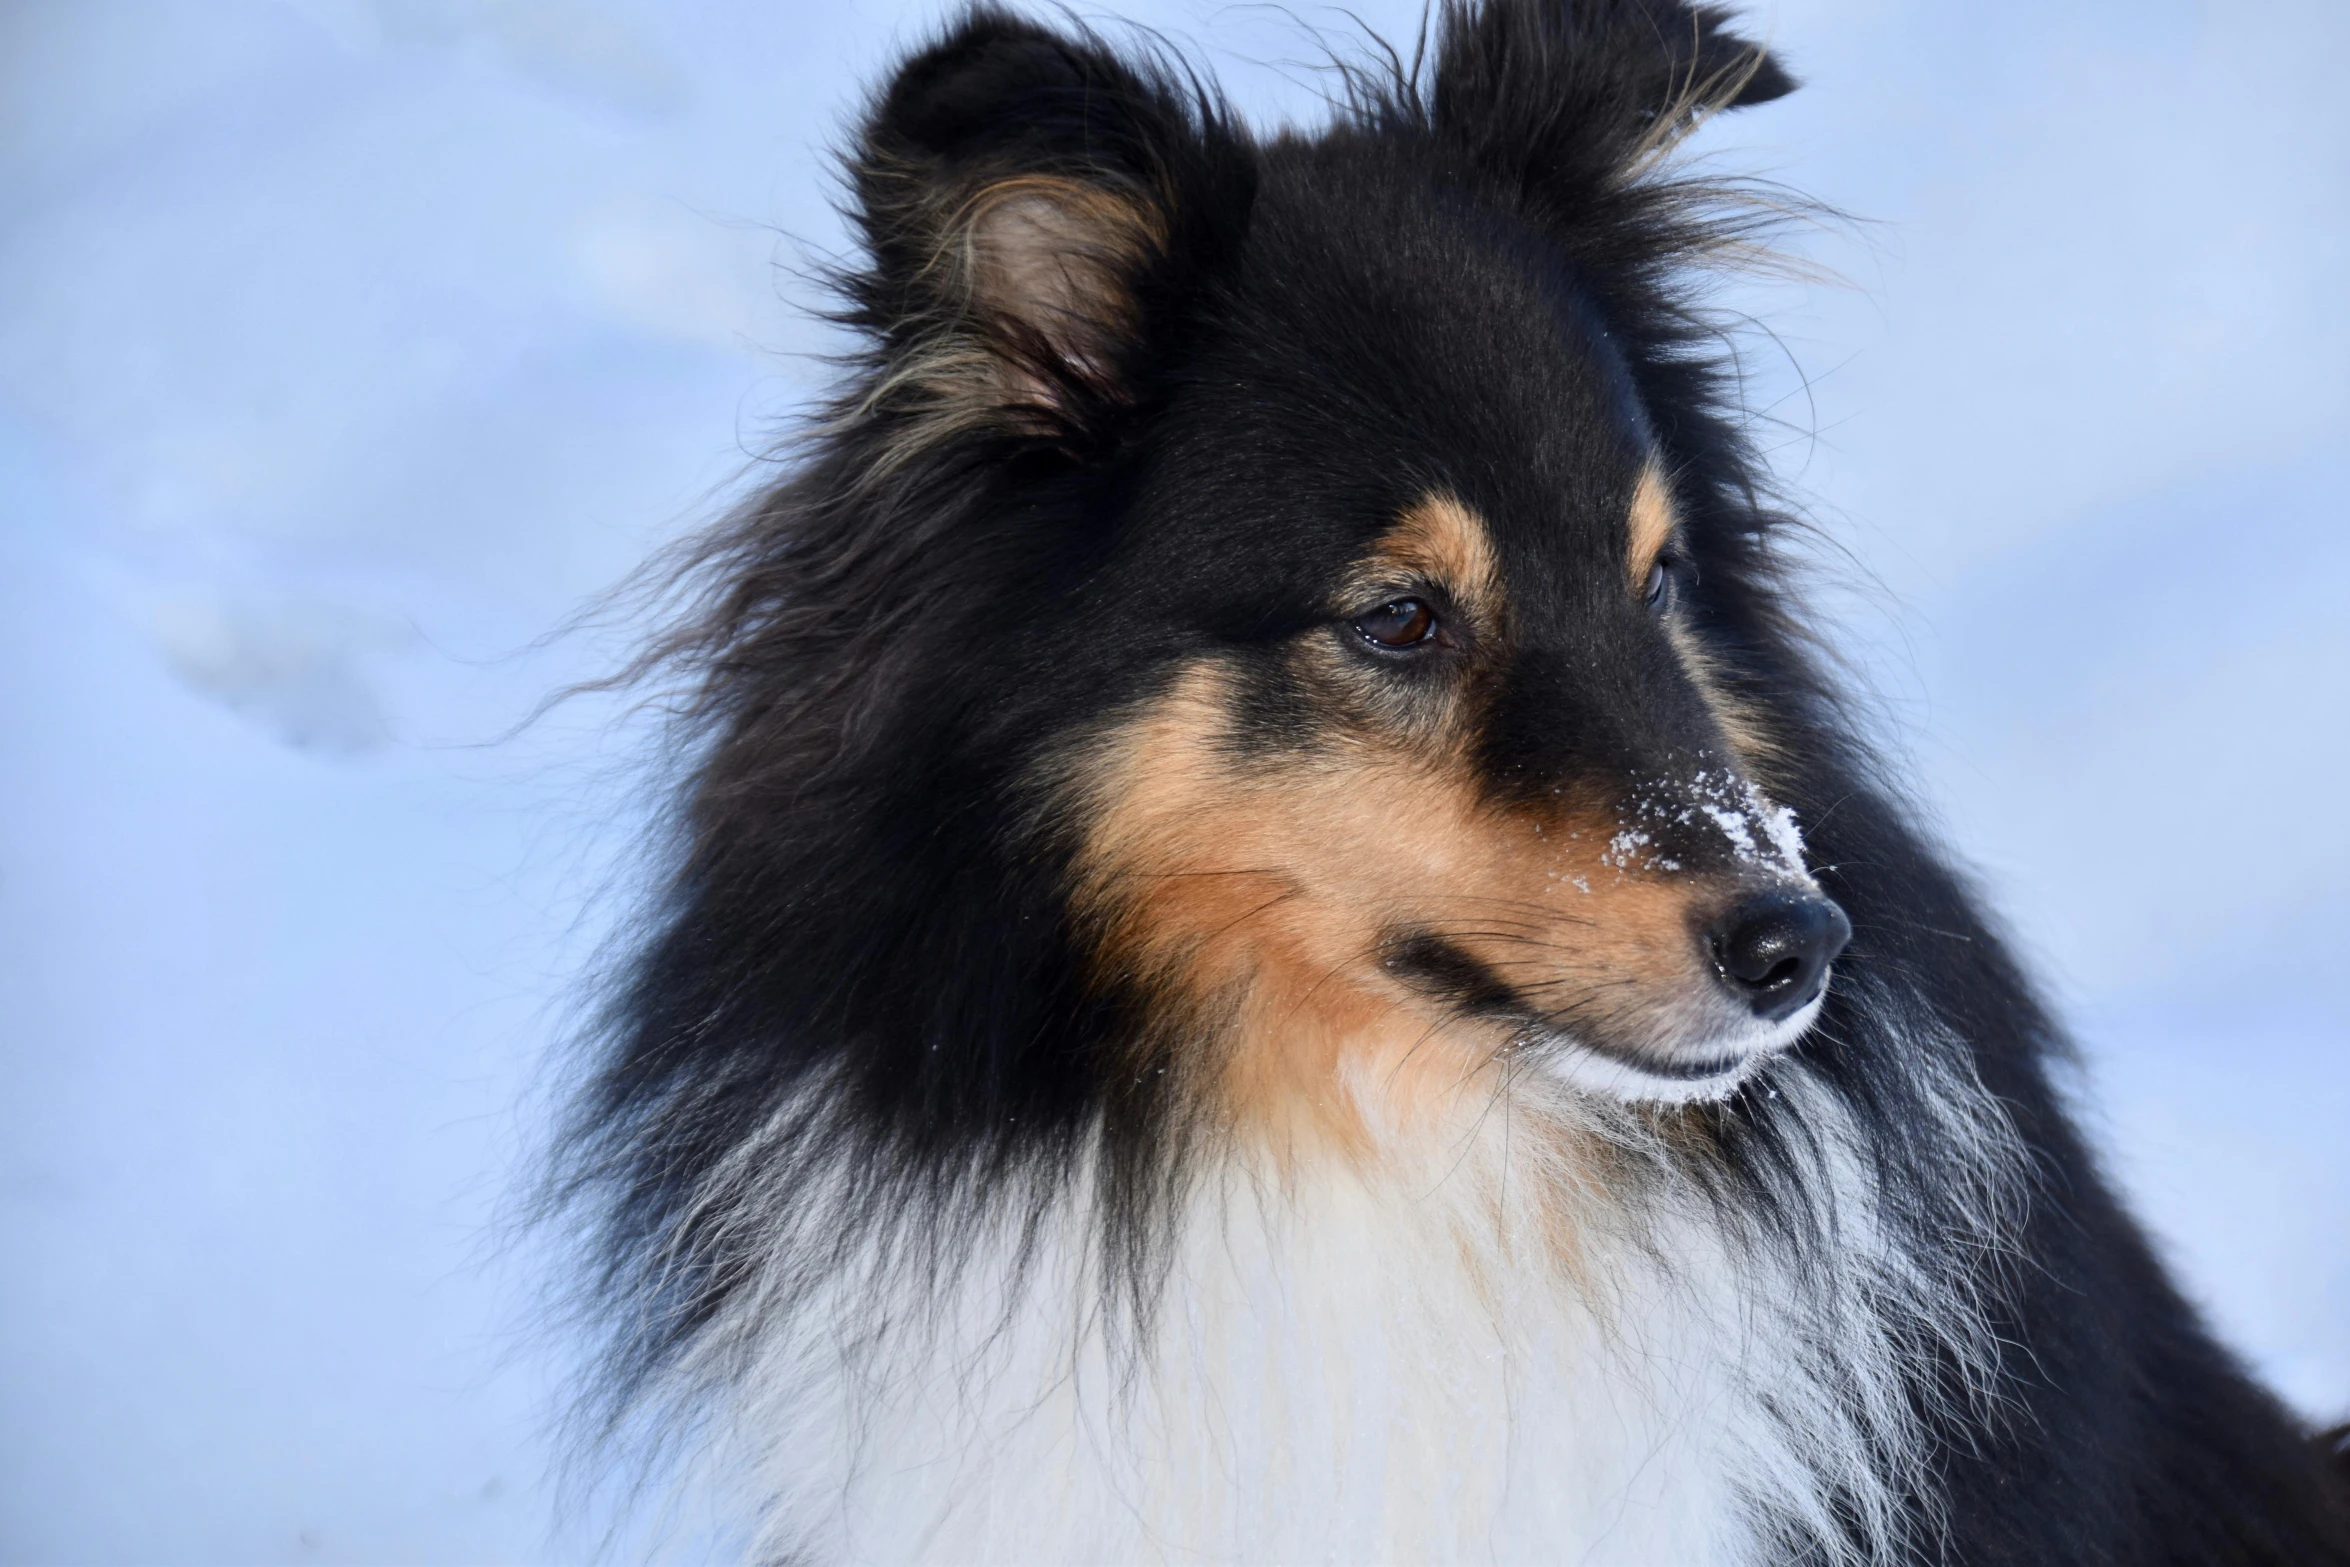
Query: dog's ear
1038	212
1571	97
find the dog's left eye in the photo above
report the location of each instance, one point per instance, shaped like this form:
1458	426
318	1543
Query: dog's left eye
1401	624
1657	592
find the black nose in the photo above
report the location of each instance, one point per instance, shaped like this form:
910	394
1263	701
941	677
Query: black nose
1773	950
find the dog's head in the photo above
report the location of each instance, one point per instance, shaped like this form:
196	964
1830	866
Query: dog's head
1324	554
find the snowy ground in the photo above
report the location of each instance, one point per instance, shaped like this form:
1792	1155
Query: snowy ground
347	345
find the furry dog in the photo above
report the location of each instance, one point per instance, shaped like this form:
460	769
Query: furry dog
1276	949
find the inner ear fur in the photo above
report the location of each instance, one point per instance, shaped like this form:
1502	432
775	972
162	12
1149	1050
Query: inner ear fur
1051	267
1038	209
1570	97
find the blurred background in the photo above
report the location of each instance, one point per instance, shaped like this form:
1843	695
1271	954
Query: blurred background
348	347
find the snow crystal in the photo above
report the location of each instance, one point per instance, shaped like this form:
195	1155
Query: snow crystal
1733	826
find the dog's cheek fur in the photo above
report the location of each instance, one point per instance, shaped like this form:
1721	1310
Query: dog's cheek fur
1255	897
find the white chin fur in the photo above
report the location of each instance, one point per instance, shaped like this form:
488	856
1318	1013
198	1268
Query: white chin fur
1727	1061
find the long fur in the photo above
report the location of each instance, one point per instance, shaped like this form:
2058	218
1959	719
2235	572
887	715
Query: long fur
926	1216
1705	1383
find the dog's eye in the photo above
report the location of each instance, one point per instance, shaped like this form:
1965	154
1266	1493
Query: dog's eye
1401	624
1657	593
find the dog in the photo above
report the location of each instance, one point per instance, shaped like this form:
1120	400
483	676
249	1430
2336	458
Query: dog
1275	947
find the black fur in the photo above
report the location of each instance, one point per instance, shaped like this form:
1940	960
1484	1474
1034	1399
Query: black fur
1467	280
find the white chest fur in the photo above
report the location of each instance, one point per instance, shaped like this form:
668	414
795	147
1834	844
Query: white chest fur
1470	1356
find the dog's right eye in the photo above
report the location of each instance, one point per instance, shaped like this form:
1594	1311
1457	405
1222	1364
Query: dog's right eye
1403	623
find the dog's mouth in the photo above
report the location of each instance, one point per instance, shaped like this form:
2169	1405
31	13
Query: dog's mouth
1695	1073
1695	1039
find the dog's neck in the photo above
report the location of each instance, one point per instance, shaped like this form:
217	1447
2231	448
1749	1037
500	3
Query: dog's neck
1531	1334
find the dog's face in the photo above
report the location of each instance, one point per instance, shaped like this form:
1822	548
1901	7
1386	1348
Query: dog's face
1415	755
1432	766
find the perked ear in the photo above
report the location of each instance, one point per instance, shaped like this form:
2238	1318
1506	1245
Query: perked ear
1038	213
1575	96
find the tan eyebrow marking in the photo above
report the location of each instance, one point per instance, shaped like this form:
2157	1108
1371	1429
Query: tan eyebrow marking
1651	523
1439	539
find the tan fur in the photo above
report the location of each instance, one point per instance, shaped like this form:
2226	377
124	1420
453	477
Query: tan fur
1029	269
1439	541
1752	745
1053	258
1649	524
1256	893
